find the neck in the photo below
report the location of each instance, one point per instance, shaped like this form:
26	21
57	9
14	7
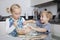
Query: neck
46	22
14	18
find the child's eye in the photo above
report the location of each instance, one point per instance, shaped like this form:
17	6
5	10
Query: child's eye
16	13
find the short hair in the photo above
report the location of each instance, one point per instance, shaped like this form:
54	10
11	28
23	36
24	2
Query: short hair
14	6
48	14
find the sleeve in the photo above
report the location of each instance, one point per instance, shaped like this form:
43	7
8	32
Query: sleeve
48	28
38	24
9	29
23	19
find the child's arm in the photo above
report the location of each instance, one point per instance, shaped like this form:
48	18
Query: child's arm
26	25
21	31
9	29
29	21
39	29
27	30
15	23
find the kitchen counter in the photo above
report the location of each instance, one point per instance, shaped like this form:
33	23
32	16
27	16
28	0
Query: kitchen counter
4	36
23	37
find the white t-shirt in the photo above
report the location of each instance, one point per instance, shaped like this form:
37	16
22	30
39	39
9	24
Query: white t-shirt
10	29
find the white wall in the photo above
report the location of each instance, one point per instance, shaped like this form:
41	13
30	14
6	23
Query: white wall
2	28
36	2
52	8
25	5
56	28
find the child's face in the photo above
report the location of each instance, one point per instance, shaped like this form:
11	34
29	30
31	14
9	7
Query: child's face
43	18
16	13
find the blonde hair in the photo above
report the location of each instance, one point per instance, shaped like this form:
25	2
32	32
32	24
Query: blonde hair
14	6
48	14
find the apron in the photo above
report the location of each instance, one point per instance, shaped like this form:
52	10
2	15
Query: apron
20	25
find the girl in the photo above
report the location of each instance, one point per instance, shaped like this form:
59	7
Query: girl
14	21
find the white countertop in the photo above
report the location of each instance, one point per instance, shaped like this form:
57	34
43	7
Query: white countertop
3	36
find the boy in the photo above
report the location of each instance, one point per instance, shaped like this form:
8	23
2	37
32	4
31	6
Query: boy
43	24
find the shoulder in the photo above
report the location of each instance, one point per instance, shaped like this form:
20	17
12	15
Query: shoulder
49	24
22	18
7	19
38	22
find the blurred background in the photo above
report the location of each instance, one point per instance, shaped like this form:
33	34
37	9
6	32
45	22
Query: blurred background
31	10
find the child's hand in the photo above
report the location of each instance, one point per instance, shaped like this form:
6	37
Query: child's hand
15	23
31	27
21	32
24	23
27	29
